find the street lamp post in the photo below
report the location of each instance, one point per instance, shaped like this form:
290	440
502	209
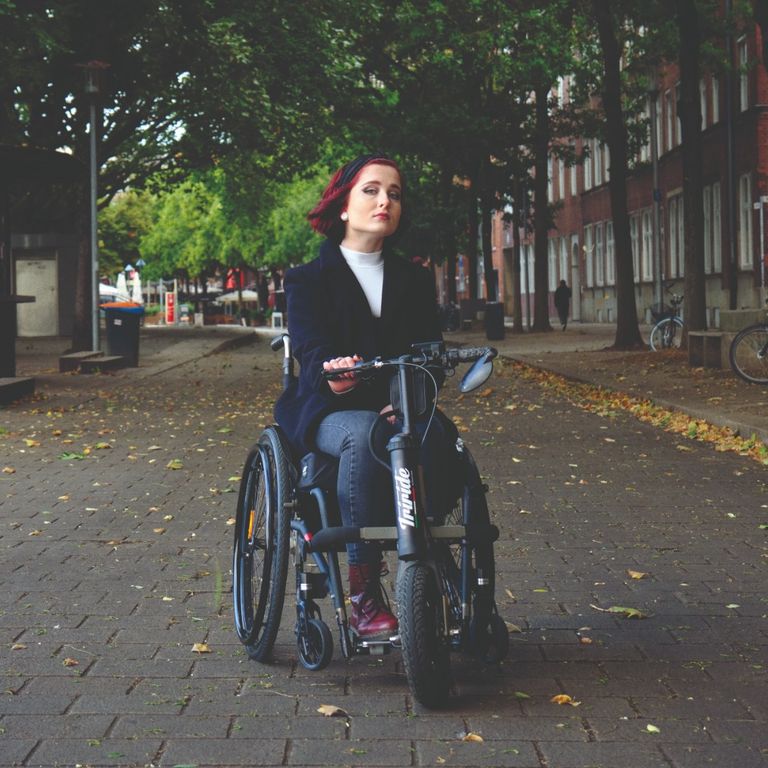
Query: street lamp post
93	71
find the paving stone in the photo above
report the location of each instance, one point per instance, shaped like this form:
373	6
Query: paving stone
53	726
514	754
714	754
349	753
170	726
15	751
223	752
107	752
575	755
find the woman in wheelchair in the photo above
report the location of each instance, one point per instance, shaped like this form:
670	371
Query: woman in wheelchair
354	302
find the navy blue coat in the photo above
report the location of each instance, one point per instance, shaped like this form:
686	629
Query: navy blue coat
329	316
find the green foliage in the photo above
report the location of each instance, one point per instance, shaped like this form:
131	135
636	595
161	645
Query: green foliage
122	225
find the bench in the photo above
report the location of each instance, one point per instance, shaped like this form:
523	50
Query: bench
72	360
103	363
14	388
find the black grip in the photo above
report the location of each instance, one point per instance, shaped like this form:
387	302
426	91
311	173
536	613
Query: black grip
278	342
470	354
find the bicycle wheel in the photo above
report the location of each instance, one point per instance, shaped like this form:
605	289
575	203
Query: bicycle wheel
667	334
749	354
262	531
425	650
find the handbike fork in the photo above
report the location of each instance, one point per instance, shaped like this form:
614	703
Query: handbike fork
408	488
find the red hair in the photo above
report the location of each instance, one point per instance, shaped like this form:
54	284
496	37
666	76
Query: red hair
324	217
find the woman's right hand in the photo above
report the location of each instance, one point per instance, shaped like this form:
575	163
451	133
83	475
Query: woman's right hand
346	381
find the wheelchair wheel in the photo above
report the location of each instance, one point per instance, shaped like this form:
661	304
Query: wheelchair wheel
315	645
425	649
262	532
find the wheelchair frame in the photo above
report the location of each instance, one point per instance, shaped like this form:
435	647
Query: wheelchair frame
445	593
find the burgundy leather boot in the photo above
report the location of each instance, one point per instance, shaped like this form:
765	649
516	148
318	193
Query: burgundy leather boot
370	616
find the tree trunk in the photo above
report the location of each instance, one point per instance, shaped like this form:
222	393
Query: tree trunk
518	221
627	329
690	119
486	224
474	225
82	338
541	212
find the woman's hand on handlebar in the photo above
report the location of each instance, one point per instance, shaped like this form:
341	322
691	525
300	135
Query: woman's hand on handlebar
345	381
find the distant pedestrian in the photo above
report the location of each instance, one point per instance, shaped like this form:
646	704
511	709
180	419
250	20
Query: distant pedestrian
562	302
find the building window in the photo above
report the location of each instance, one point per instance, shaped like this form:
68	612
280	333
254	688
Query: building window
552	254
634	226
677	124
561	177
668	121
743	74
589	256
588	166
645	149
703	101
715	99
550	196
707	200
676	237
599	255
564	259
610	264
717	230
647	264
574	182
745	222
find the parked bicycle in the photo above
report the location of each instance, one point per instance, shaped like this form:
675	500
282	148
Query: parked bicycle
667	333
749	353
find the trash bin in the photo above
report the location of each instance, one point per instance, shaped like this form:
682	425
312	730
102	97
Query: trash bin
494	320
123	323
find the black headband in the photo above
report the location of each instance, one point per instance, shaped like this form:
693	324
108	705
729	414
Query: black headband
354	167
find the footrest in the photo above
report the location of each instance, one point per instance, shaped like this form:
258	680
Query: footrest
105	363
73	360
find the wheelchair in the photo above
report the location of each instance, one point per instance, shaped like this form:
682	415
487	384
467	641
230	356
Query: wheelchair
446	575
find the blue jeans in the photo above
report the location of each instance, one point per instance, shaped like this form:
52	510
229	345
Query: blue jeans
364	487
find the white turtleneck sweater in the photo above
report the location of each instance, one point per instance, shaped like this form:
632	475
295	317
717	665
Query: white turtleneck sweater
368	268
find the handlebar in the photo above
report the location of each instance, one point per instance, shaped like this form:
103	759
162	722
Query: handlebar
425	354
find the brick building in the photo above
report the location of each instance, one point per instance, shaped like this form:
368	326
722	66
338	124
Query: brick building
581	246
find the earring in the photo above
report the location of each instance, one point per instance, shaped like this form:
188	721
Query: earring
344	216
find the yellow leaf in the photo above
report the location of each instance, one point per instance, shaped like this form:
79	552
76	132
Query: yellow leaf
585	640
167	517
472	737
201	648
102	446
636	574
65	497
35	533
70	662
175	464
231	521
486	392
31	443
652	728
18	647
564	698
512	627
9	471
331	710
158	530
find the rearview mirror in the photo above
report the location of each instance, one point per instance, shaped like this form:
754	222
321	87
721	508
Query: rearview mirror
477	375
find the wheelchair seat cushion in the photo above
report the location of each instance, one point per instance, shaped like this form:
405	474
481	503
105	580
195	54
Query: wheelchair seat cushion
317	470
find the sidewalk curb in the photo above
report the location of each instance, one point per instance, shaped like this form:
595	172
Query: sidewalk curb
740	428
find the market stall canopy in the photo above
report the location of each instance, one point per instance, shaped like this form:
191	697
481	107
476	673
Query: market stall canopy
247	295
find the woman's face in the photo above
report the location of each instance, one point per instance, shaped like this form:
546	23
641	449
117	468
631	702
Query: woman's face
373	207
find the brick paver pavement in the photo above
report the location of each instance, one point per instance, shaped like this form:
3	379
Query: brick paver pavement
114	564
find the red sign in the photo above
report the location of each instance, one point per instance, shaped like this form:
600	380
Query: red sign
170	308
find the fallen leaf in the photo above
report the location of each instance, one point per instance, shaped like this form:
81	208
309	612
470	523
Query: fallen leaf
167	517
68	662
18	647
512	627
102	446
201	648
586	640
35	533
472	737
652	728
231	521
628	613
175	464
65	497
636	574
564	698
521	695
158	530
9	471
331	710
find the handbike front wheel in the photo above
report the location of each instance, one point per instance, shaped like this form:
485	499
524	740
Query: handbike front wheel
749	354
262	532
425	649
667	334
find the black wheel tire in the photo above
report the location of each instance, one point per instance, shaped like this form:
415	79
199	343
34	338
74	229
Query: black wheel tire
316	646
425	652
490	640
262	533
747	355
660	335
